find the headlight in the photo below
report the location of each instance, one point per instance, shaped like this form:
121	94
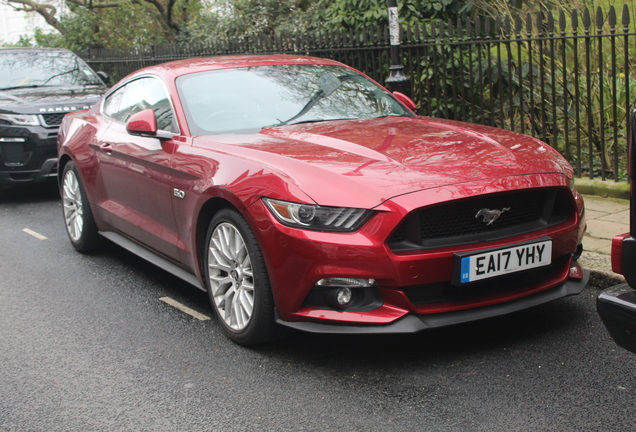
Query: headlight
21	119
307	216
571	183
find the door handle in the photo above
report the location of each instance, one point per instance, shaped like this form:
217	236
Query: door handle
106	148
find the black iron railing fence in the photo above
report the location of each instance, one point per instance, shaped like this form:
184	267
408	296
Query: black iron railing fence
567	80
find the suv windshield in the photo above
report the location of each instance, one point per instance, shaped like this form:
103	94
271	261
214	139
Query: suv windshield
44	68
246	100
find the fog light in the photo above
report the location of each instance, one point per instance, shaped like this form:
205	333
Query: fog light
344	296
346	282
344	293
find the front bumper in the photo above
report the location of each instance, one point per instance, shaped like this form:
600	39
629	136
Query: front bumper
416	323
414	288
617	308
28	154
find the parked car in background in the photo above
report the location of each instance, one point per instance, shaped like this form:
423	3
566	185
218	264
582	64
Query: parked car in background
298	192
37	88
617	305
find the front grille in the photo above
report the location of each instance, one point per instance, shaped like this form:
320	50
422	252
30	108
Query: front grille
53	119
455	223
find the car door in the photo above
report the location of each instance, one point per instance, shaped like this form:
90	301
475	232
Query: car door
135	171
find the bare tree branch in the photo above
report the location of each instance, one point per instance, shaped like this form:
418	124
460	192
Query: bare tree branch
83	4
46	11
166	12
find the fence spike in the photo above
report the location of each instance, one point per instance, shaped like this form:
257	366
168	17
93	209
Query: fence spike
575	21
441	32
529	24
600	19
477	28
518	25
587	21
507	27
540	24
625	18
451	30
562	21
498	25
612	17
425	31
550	24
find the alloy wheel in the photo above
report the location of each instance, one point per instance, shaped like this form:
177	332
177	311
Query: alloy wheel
231	276
72	202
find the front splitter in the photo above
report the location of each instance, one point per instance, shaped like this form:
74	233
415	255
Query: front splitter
416	323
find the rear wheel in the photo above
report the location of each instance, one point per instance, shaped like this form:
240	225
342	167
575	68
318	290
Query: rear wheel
78	218
237	280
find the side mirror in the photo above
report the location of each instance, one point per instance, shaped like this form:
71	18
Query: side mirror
144	124
104	77
407	101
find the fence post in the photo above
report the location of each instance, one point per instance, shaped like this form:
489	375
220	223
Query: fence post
397	80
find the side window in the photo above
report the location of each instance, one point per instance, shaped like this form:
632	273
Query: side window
113	102
139	95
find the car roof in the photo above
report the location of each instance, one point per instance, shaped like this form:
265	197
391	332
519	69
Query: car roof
27	49
200	64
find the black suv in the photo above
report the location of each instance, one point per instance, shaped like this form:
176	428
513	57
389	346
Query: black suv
38	86
617	305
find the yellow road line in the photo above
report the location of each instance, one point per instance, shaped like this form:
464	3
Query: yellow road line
34	234
184	308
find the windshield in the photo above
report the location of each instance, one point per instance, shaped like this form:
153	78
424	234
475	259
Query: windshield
41	68
248	99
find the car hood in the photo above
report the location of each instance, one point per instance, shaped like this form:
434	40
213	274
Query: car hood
40	100
375	160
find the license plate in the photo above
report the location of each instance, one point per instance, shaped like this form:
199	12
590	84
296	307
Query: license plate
497	262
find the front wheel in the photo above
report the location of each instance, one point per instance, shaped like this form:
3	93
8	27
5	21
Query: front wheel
237	280
78	218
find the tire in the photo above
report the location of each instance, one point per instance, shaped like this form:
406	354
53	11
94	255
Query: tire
78	218
237	280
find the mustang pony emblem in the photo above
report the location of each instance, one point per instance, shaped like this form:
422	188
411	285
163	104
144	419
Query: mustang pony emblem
490	215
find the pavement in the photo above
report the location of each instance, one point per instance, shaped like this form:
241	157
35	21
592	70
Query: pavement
606	218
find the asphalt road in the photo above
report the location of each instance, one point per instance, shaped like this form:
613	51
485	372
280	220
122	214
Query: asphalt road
86	345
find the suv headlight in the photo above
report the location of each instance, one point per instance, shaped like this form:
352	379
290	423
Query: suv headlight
21	119
314	217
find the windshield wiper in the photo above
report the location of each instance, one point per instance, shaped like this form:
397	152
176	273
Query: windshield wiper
309	105
321	120
22	87
314	100
391	115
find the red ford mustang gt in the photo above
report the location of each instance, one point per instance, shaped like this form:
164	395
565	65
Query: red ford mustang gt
298	192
